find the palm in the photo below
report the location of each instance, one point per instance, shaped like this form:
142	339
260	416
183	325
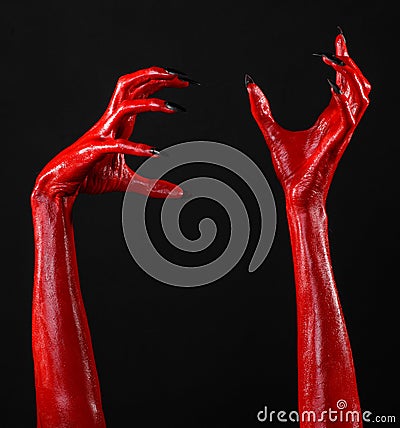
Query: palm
110	174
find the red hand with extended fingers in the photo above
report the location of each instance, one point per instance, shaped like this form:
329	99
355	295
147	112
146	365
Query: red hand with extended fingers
305	162
67	386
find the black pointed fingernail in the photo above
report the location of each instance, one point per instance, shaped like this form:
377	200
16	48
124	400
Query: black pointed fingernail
174	71
334	86
154	151
174	106
331	57
247	80
341	32
190	81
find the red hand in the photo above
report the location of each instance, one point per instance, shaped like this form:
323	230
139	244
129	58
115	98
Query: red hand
305	162
67	387
95	162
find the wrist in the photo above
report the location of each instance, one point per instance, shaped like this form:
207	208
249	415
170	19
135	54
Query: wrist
305	193
51	215
313	207
42	195
308	228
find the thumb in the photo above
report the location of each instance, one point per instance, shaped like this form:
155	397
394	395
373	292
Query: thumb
261	112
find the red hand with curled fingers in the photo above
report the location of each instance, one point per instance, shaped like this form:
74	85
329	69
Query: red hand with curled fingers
95	162
67	386
305	162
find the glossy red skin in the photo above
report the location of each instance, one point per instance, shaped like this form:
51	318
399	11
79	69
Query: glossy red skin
66	381
305	162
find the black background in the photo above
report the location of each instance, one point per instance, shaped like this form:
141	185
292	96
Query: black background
212	356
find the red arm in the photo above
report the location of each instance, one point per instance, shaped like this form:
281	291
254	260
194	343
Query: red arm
67	386
305	162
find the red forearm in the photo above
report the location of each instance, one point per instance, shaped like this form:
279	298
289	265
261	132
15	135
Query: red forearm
325	364
67	387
